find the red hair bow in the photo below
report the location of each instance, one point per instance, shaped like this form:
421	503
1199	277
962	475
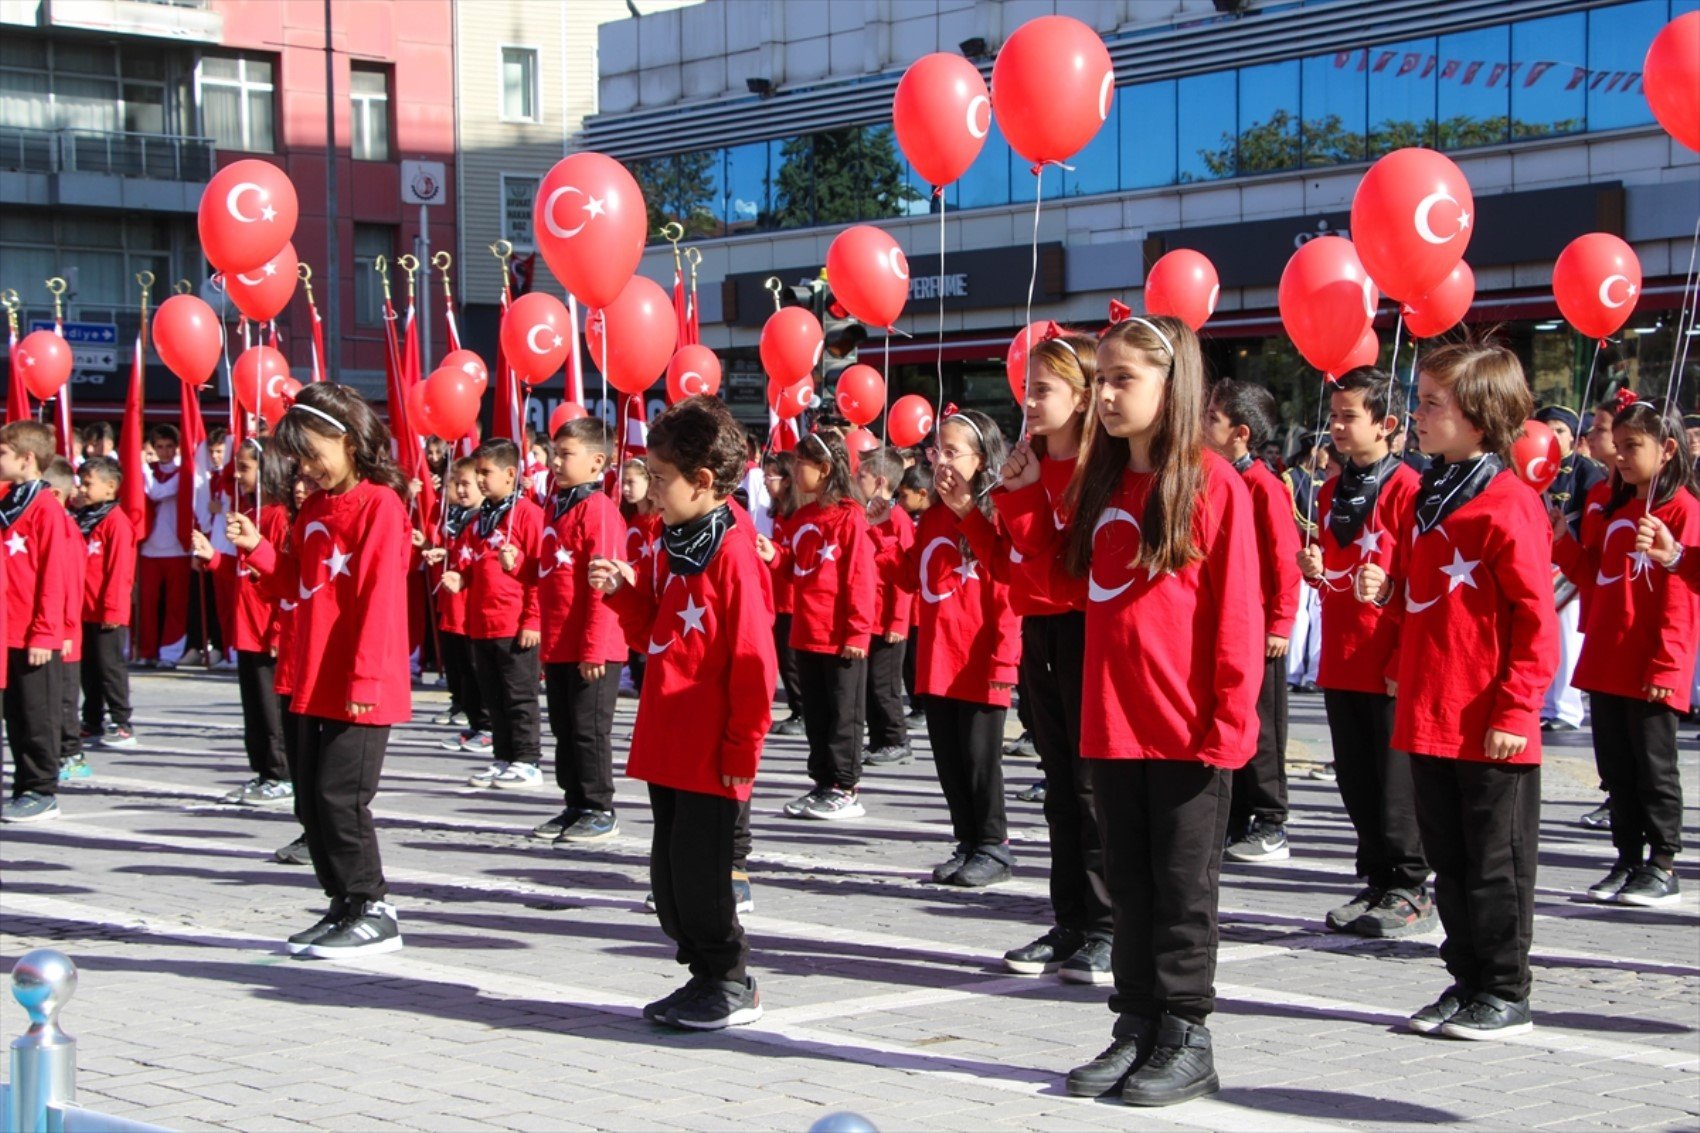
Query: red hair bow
1624	399
1053	329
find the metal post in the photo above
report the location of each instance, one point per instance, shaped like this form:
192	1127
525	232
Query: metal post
333	250
44	1059
423	252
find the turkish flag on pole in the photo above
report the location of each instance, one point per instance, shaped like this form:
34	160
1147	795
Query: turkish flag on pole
191	450
62	411
17	397
318	342
504	422
133	490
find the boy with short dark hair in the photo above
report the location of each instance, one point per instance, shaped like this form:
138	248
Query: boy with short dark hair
1240	419
32	532
879	476
110	575
466	702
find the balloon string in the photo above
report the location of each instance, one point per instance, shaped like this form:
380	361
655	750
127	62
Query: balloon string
1032	280
1315	440
885	418
1688	313
1585	409
938	361
1393	363
619	440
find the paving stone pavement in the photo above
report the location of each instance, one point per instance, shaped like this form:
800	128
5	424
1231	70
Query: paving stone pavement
515	1002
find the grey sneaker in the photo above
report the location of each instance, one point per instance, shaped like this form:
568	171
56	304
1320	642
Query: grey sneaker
270	792
796	807
591	826
1263	842
455	717
118	736
1342	918
1400	912
836	805
1323	773
240	794
717	1005
519	777
484	777
657	1012
1089	965
551	830
31	806
1650	887
296	853
982	869
888	756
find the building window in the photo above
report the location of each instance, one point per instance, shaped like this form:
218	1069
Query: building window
238	102
370	242
519	85
519	195
97	254
369	88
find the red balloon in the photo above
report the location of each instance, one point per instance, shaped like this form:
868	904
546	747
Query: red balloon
859	441
1051	88
284	397
470	364
258	376
791	344
1015	358
1183	284
632	339
591	225
44	361
869	275
1535	456
536	336
564	412
1326	300
263	293
694	370
247	215
1411	219
860	394
1596	280
416	410
1366	353
942	113
450	404
790	400
910	420
1671	78
1442	309
189	338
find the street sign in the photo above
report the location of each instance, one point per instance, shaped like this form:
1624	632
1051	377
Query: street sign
92	358
82	334
422	182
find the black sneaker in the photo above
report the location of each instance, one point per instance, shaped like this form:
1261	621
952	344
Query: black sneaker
1342	919
716	1005
592	826
296	853
1608	887
325	925
1431	1018
368	929
1181	1067
1090	965
1651	887
1045	954
1263	842
551	830
657	1012
1599	818
1131	1046
1489	1017
888	756
947	869
982	869
1400	912
790	726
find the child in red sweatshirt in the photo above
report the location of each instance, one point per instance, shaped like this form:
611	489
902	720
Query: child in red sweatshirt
777	475
32	531
466	703
878	474
1239	421
831	564
705	627
1163	533
1637	659
1478	645
501	617
345	568
108	583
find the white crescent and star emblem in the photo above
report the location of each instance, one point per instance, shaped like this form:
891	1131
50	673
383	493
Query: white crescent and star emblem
1639	561
94	548
894	259
554	225
975	127
1533	470
928	594
338	562
1369	297
828	551
1215	294
1460	572
306	537
1094	591
1605	290
1104	89
1424	225
17	544
692	383
233	203
545	560
531	339
1368	542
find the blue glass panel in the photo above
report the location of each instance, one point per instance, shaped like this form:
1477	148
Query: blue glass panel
1336	108
1208	126
743	200
1269	117
1543	98
791	183
1617	46
1401	95
1146	123
987	180
1097	165
1472	111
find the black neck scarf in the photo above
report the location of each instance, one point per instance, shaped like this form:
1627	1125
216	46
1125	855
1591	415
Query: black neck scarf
691	545
490	513
455	517
89	518
568	498
1243	463
1355	492
1448	487
12	507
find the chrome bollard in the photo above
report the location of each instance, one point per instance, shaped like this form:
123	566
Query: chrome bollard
44	1059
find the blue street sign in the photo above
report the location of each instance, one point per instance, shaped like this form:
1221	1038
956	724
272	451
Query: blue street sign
82	334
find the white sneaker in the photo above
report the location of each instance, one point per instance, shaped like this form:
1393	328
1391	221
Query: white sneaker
518	776
487	776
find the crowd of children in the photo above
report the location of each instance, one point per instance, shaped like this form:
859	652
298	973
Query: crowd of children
1133	572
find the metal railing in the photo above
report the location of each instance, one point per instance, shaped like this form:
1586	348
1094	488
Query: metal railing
157	157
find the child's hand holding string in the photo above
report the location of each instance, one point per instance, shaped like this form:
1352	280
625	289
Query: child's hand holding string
200	547
764	548
1021	468
1372	584
1654	539
435	555
451	581
509	557
1310	562
241	531
608	575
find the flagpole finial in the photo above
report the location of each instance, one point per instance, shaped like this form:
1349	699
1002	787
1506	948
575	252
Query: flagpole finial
9	299
57	287
381	265
305	271
183	287
503	250
442	261
409	263
775	285
145	280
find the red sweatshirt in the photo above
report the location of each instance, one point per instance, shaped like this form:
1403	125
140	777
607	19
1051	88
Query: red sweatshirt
500	603
1642	621
1277	548
895	535
345	568
969	635
1476	628
256	621
1687	568
109	574
577	625
831	563
1358	637
1591	531
451	608
781	537
641	533
35	590
1173	662
73	559
1037	588
708	684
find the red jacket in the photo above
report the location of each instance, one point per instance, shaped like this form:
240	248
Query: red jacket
1476	628
1358	637
641	533
1173	662
345	570
708	684
1590	531
892	608
969	635
781	537
577	625
500	603
109	575
1688	569
256	622
36	581
73	558
831	563
1642	622
451	608
1037	587
1277	548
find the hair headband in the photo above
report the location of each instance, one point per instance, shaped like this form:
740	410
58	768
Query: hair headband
1121	313
815	437
1054	333
951	413
321	415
